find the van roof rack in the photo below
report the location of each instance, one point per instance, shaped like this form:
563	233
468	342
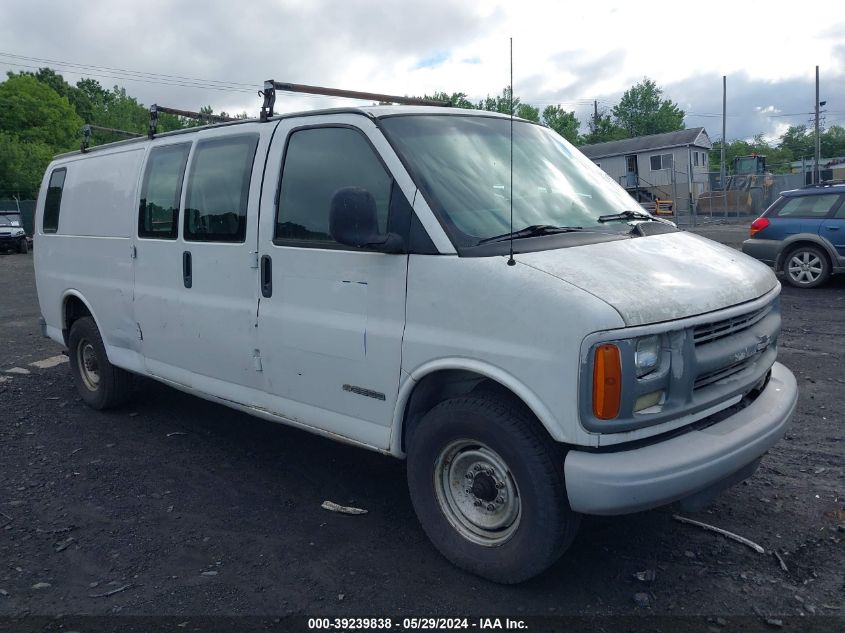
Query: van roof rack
88	128
270	87
155	109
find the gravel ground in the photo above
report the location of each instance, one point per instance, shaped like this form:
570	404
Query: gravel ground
181	507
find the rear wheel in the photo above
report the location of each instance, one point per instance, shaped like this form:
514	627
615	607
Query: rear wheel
806	267
99	383
487	484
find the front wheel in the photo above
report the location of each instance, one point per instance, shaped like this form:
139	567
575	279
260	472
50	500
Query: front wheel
23	246
99	383
806	267
487	484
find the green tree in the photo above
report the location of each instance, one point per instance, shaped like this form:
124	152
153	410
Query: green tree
78	98
528	112
563	122
798	140
833	142
456	99
643	110
35	112
601	129
22	166
778	158
500	103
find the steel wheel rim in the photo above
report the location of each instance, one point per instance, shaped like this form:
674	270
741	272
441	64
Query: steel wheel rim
89	367
804	267
477	493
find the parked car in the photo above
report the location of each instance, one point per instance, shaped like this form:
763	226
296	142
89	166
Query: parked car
802	234
12	234
357	273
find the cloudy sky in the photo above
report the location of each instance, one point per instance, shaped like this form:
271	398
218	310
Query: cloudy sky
567	53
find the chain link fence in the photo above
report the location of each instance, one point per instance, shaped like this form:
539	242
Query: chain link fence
737	200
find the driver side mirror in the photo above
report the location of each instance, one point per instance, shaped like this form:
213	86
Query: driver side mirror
353	221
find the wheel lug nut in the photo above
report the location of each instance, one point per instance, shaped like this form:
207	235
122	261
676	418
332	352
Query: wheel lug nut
490	471
469	475
500	500
477	503
477	468
499	485
469	491
490	506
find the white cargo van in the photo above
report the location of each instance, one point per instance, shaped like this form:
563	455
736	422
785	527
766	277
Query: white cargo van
348	272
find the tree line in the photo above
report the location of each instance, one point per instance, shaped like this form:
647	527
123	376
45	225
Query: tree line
641	110
42	115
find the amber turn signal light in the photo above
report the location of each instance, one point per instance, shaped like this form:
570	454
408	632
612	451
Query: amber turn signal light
607	382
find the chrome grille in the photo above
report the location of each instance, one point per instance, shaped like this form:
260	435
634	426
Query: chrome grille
709	332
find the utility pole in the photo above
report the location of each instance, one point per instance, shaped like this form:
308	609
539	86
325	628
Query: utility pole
595	116
691	200
818	140
723	173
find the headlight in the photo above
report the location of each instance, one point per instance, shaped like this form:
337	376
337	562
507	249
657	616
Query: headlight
647	356
17	232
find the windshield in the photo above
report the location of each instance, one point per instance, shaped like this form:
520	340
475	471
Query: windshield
10	219
462	166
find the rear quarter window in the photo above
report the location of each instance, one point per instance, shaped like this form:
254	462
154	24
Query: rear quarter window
808	206
53	201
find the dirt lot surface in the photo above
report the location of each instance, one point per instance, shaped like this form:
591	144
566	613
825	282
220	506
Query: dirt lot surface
175	506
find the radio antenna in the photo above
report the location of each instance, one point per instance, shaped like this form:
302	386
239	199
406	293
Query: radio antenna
511	260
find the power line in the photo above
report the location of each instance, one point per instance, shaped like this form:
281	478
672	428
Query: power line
142	77
126	71
138	79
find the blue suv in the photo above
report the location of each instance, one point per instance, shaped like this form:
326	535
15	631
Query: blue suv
802	234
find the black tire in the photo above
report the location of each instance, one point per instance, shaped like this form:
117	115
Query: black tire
817	265
113	386
534	463
23	246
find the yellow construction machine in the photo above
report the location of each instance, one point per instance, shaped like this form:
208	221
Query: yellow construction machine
747	191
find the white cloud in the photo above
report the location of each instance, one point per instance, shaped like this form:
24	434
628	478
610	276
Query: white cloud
564	52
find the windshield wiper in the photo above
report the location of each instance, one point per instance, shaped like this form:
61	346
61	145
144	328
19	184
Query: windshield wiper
535	230
627	215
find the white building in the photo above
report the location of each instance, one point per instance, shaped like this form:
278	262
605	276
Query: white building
664	166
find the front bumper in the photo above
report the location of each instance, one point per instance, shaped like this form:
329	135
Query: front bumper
638	479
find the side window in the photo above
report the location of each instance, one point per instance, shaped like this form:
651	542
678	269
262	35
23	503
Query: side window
840	213
218	189
53	201
319	162
158	212
808	206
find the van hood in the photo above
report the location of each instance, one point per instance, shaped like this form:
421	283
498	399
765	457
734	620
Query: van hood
659	277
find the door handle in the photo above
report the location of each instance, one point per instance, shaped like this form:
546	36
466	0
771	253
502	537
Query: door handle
832	228
266	276
187	269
